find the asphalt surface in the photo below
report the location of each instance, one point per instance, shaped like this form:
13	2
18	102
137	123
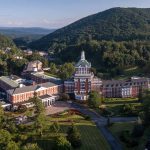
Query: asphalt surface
101	123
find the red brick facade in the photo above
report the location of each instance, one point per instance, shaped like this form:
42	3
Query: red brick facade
25	96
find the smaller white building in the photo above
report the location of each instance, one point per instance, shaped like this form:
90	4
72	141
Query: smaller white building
48	100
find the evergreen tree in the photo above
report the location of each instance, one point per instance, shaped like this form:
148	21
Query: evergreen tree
74	137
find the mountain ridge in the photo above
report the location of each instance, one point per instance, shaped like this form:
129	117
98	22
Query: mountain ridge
118	24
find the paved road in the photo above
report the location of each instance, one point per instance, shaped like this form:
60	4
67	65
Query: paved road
100	121
101	124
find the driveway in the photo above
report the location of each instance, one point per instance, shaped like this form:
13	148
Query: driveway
100	121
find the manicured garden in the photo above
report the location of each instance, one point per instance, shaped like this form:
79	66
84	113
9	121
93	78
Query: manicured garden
90	135
120	100
122	109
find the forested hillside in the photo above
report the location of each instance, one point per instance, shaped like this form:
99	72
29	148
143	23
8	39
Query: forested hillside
22	36
118	24
6	42
114	40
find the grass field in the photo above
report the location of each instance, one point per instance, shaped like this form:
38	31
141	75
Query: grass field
134	71
118	127
49	74
117	109
92	139
120	100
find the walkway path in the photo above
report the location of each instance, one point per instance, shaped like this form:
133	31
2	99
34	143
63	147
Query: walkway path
100	121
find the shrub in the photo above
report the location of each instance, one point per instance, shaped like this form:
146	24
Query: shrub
65	97
74	137
87	117
138	130
22	108
126	138
62	143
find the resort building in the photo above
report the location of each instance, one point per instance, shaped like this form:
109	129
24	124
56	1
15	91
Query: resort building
21	95
83	80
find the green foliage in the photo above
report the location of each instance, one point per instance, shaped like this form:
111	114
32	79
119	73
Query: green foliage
5	138
62	144
138	130
39	108
146	107
94	99
118	24
113	40
1	116
66	70
22	108
40	123
55	127
6	42
128	109
12	146
65	96
9	64
53	68
74	137
125	137
31	146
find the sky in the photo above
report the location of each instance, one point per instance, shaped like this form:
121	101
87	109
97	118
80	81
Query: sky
56	13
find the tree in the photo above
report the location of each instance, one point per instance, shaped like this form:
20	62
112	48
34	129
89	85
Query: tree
94	99
5	137
66	71
146	107
40	122
65	96
140	94
128	109
55	127
62	143
74	137
31	146
53	68
1	116
12	146
39	108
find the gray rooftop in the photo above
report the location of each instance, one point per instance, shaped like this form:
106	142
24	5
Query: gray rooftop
31	88
9	81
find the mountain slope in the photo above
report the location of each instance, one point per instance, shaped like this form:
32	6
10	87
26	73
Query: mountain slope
6	42
118	24
22	36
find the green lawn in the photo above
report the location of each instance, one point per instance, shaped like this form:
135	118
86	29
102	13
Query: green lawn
134	71
92	139
116	109
120	100
49	74
118	127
